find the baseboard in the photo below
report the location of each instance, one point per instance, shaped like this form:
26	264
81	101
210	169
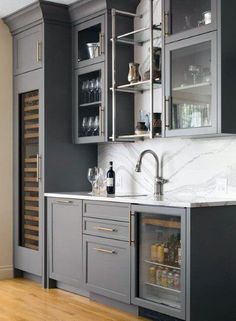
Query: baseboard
6	272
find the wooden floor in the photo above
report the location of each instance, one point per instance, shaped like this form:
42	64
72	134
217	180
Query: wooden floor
22	300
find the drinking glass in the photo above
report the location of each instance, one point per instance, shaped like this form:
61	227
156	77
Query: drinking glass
92	177
83	91
96	126
84	126
87	91
92	90
90	126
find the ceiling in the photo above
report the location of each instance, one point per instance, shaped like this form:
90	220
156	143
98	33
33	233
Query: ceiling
9	6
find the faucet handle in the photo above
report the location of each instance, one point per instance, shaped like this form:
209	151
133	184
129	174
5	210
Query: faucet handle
161	180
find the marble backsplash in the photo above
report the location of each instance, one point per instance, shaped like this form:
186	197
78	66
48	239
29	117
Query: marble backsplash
192	166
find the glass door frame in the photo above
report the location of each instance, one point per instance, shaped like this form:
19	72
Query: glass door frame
86	25
136	211
169	37
102	109
210	37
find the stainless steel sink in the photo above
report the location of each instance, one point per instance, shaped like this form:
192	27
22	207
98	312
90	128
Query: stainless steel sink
131	195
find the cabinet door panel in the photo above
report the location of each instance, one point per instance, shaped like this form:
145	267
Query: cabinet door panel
65	241
191	86
28	54
184	18
107	267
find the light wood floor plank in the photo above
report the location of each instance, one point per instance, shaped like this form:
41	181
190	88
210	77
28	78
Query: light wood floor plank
23	300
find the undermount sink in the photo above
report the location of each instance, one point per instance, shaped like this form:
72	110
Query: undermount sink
131	195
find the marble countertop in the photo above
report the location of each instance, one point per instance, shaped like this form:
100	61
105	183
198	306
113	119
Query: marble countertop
171	200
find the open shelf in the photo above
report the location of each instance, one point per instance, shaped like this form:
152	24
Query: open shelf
139	86
162	265
139	36
95	103
162	287
201	88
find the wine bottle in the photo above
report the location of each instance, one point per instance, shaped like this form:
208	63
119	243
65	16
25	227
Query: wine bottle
111	180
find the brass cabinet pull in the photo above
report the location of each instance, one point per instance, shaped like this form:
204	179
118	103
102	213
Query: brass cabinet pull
64	202
101	120
102	44
38	177
105	229
39	51
167	111
105	251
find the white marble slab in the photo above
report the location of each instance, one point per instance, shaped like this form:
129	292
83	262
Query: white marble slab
167	201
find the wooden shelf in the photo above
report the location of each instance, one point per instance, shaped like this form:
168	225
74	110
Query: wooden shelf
31	135
30	170
31	218
31	228
163	265
31	126
31	108
31	246
31	99
31	160
30	179
31	189
32	208
162	223
31	117
31	237
32	198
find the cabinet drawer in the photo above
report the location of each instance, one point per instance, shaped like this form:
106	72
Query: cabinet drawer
109	229
107	267
103	210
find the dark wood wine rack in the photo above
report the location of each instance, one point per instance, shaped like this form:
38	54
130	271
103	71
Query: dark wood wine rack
29	218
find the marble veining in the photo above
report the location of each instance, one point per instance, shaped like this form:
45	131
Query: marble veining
192	166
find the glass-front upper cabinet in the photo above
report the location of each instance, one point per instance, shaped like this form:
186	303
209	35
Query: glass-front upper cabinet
186	18
89	42
191	86
160	257
89	116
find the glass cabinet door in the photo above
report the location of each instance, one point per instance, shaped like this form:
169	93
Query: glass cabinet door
191	103
89	104
184	18
89	42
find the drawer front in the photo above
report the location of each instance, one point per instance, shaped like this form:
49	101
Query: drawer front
107	267
109	229
103	210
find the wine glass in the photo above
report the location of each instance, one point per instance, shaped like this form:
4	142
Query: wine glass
96	126
92	177
92	88
99	89
87	88
84	126
90	126
83	90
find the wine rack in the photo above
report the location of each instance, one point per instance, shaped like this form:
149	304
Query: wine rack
30	171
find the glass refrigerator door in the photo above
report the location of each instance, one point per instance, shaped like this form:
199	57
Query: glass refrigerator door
160	260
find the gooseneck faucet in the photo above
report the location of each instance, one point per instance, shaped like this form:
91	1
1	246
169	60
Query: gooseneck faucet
158	181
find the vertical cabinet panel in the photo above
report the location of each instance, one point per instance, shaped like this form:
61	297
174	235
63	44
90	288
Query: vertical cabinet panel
28	171
89	104
65	241
28	50
191	86
184	18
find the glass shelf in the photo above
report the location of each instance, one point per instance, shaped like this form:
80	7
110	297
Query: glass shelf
162	287
95	103
201	88
163	265
139	86
139	36
135	137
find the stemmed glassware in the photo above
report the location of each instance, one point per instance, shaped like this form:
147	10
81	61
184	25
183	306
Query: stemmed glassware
92	177
96	126
84	126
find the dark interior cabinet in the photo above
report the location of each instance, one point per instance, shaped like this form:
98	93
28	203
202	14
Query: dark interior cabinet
92	66
44	157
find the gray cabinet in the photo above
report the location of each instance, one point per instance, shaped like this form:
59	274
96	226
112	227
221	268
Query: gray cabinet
107	267
44	157
64	230
184	19
191	86
28	50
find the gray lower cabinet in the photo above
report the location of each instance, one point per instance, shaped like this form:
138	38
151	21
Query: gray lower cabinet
28	50
65	241
107	267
